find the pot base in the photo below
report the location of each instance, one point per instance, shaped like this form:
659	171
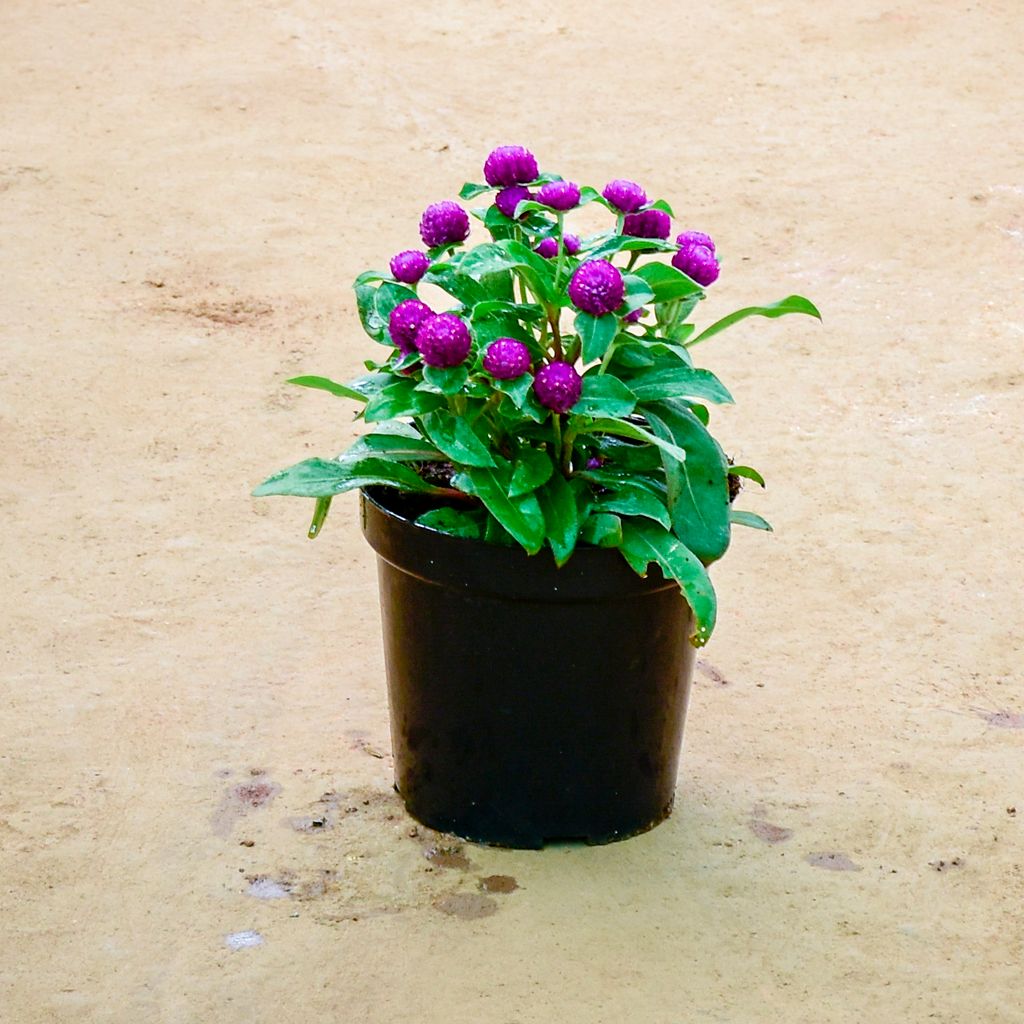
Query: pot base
522	841
529	704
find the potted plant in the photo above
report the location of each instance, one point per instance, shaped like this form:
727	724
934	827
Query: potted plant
544	496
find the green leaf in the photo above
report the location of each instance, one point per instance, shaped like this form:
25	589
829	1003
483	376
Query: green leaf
623	428
791	304
644	542
698	492
660	204
635	501
522	517
751	519
603	530
509	254
320	510
604	395
388	296
533	468
667	283
396	447
596	333
497	307
561	518
638	292
323	478
447	380
456	438
453	521
366	297
455	283
401	399
517	389
471	190
679	382
324	384
629	243
748	472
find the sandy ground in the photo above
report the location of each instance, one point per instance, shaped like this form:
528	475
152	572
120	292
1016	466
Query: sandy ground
194	726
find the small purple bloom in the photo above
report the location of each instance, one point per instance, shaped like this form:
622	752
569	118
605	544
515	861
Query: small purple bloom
548	247
688	238
597	287
647	224
558	387
595	462
443	340
506	359
404	322
625	196
509	198
444	223
699	262
409	266
559	195
632	317
510	165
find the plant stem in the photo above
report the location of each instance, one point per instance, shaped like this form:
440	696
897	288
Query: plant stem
491	403
556	422
561	249
556	336
567	447
606	362
633	257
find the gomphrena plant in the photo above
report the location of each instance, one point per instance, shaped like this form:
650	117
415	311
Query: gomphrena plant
556	402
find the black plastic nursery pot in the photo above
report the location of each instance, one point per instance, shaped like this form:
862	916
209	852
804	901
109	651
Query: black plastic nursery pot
529	704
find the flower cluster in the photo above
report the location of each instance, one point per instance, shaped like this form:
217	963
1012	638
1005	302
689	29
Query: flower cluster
550	375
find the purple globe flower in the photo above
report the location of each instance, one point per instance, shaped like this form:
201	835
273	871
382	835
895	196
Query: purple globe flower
444	223
558	387
559	195
506	359
509	198
405	321
596	287
625	196
443	340
632	317
688	238
548	247
409	266
647	224
699	262
510	165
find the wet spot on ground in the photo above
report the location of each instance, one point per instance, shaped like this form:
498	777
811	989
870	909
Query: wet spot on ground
769	833
448	855
710	672
1002	719
241	799
467	906
243	940
499	883
831	862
